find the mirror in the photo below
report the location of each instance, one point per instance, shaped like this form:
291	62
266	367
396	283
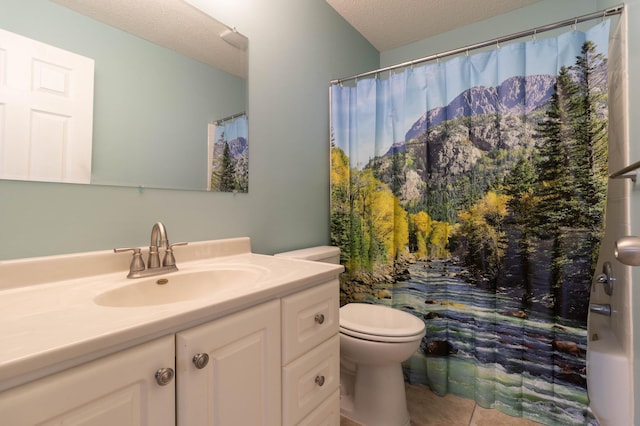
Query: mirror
163	74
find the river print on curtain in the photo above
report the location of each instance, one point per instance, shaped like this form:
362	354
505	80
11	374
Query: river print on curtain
471	193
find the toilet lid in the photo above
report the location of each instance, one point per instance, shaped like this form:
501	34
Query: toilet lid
368	321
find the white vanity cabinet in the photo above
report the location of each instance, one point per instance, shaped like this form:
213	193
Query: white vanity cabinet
311	356
272	364
119	389
228	370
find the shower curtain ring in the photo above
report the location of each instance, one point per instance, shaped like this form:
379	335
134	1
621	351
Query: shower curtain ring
535	34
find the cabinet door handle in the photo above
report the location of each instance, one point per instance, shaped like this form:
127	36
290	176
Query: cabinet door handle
319	318
319	380
200	360
164	376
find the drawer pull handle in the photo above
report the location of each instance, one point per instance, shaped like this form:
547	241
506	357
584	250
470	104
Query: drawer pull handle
200	360
164	376
319	318
320	380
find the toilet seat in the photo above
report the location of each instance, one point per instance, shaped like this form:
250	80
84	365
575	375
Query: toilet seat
379	323
380	339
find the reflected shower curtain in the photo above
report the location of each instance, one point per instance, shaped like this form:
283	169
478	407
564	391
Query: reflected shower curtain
471	193
228	163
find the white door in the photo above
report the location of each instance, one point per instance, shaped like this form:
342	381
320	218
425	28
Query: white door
46	111
120	389
240	383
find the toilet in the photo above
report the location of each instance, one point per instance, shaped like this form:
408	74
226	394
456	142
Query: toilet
374	341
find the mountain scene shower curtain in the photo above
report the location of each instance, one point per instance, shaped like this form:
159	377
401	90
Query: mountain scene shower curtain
228	161
471	193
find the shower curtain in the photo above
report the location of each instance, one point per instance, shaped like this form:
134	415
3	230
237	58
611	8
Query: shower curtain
228	164
471	193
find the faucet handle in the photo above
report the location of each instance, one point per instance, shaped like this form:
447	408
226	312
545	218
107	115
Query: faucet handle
169	259
137	264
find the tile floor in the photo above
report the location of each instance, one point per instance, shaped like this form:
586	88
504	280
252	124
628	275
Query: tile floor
429	409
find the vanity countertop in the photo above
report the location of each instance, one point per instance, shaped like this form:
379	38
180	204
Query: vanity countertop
50	325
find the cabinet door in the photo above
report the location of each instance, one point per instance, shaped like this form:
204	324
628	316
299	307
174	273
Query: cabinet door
119	389
240	384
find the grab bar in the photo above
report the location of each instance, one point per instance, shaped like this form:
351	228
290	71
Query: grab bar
628	172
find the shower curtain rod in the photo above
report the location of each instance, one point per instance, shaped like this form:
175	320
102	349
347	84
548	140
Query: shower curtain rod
231	117
496	41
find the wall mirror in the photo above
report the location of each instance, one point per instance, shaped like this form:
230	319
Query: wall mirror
163	73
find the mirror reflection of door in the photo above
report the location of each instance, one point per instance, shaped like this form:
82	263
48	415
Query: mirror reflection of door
46	112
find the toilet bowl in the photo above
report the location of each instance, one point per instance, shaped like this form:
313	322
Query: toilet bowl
374	341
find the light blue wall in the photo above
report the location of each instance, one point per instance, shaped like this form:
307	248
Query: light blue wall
297	47
541	13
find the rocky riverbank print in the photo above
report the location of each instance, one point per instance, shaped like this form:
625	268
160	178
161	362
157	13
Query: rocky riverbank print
482	345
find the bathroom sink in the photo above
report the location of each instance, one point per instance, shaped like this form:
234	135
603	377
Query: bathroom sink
181	286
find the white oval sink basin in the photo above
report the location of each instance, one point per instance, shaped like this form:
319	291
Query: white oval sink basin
180	286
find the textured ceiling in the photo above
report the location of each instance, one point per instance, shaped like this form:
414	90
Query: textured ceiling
388	24
170	23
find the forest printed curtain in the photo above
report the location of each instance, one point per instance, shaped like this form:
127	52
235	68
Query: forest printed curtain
471	193
228	162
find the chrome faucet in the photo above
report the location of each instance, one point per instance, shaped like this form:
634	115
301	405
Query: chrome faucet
159	240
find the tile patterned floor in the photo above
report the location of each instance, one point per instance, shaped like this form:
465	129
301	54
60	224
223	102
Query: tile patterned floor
429	409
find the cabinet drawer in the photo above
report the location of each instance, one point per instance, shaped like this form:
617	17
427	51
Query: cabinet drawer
327	413
309	380
309	318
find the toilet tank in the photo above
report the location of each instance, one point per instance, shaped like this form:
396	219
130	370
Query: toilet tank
326	254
